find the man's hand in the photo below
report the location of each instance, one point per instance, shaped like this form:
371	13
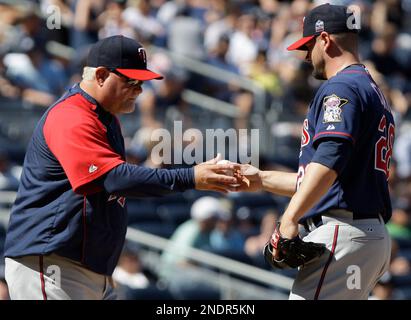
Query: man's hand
283	253
288	230
288	227
213	177
251	180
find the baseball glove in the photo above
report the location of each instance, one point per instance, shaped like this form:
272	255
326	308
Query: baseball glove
292	252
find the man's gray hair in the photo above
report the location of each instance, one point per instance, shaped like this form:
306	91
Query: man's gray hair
89	73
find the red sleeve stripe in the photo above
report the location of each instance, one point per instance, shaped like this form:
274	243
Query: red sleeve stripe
335	133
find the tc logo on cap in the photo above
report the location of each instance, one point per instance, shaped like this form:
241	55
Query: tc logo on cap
142	54
319	26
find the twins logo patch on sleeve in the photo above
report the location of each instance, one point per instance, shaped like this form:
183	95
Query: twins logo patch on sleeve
332	108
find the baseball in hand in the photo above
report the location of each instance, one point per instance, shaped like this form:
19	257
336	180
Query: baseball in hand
228	172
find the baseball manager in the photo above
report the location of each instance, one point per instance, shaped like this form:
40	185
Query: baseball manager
68	224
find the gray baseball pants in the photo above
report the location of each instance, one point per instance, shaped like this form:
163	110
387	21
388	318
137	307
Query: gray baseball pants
55	278
358	253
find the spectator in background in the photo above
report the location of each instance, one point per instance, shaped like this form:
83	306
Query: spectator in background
386	11
139	15
168	11
254	245
216	10
34	90
177	269
261	72
139	149
218	58
112	20
185	35
399	226
221	27
133	281
194	233
230	92
7	88
399	266
67	15
129	271
40	79
27	70
30	25
157	100
218	55
383	54
297	93
243	49
85	24
402	152
384	288
225	238
285	28
245	222
262	28
9	175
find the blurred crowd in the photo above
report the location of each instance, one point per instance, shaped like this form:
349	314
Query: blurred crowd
44	44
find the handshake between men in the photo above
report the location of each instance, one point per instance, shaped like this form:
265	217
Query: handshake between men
225	176
285	249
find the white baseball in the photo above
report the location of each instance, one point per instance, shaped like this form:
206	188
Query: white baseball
228	172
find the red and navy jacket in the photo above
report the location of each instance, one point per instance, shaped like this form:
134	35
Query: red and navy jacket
350	107
62	205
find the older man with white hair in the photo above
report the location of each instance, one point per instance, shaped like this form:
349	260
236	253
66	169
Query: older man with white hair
70	214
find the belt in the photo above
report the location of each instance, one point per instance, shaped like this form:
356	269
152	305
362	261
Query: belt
316	221
312	223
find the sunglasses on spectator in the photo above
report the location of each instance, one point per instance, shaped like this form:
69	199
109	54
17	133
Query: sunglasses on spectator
129	81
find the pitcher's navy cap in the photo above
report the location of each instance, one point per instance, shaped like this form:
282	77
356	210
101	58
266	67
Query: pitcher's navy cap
125	55
328	18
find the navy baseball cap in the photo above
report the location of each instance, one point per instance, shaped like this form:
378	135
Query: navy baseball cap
328	18
125	55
